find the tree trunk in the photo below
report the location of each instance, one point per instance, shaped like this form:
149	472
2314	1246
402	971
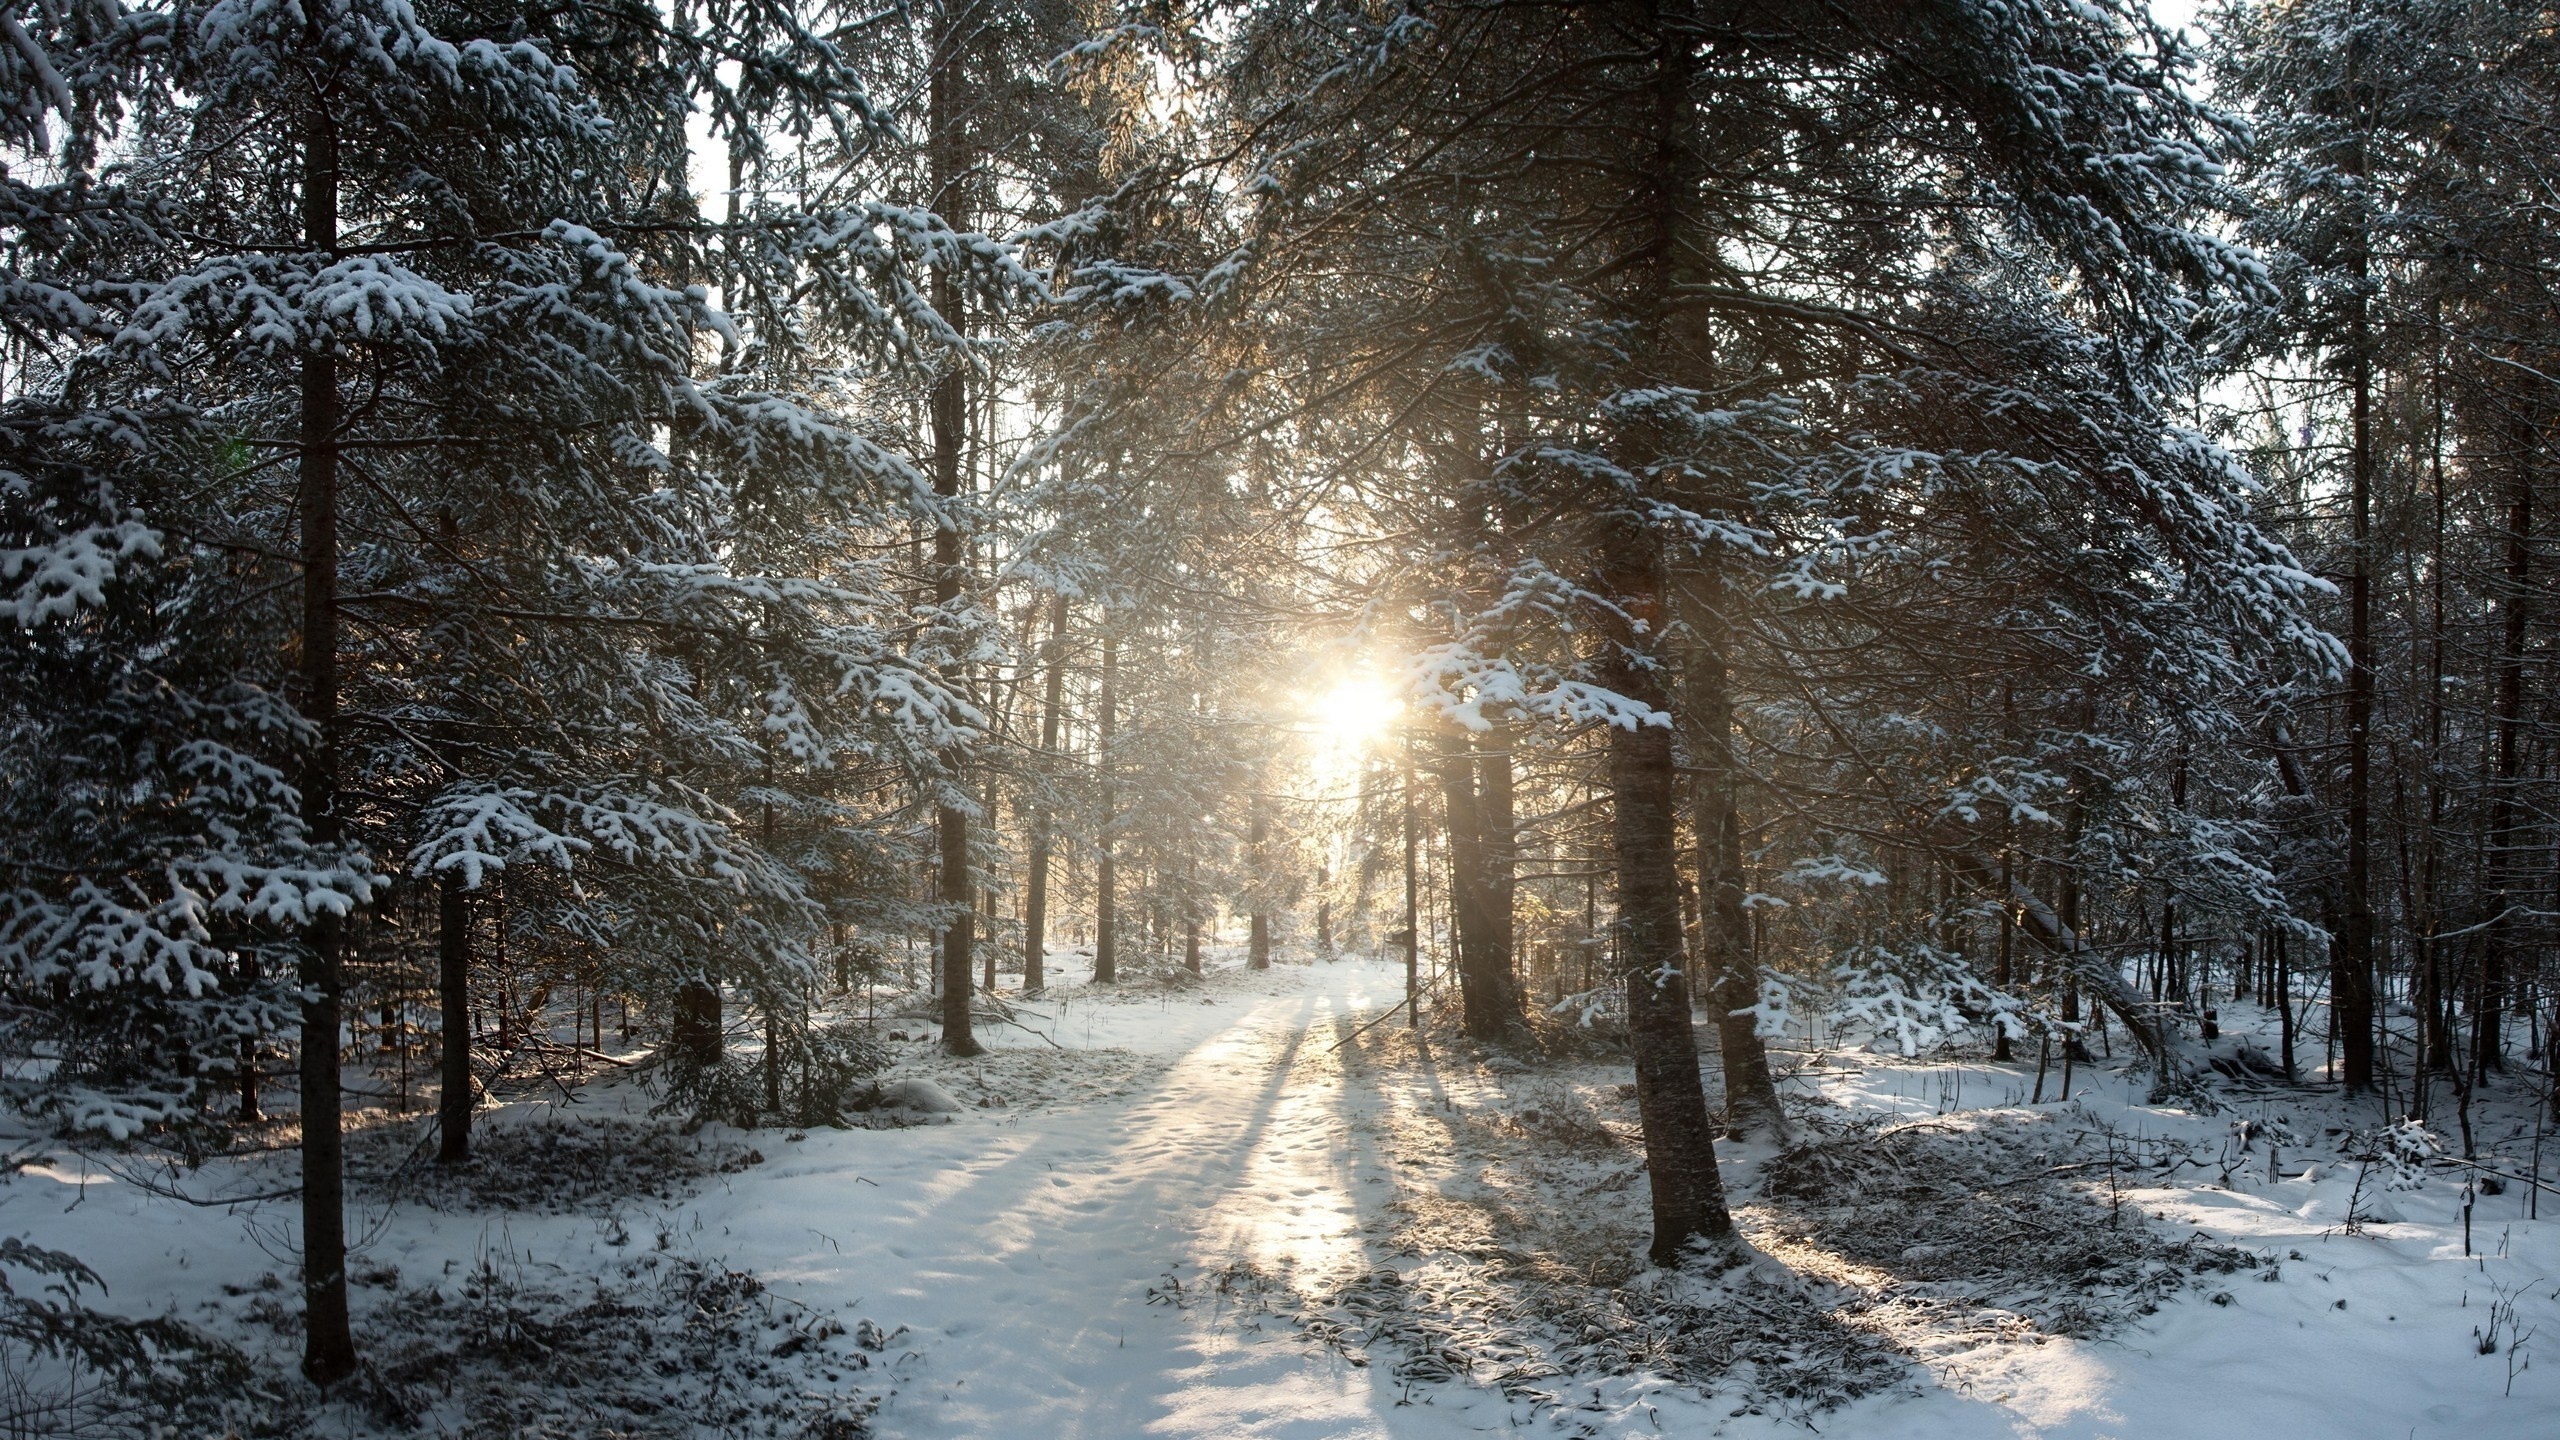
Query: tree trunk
1106	878
1498	826
453	993
695	1032
1411	935
1491	1003
950	406
772	1064
1324	911
1680	1158
2004	968
1035	916
1258	944
2284	1002
1732	972
329	1347
2351	958
250	1111
2508	839
1689	1214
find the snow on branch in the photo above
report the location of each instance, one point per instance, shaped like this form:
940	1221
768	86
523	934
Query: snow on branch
473	829
56	579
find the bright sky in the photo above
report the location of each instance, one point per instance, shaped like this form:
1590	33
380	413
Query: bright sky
2176	14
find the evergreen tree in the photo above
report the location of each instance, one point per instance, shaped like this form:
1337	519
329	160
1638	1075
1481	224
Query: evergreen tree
366	472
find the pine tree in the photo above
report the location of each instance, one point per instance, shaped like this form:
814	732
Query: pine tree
369	475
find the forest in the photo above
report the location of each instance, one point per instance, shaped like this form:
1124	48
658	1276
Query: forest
795	719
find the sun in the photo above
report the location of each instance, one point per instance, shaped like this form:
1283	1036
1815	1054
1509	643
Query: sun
1355	712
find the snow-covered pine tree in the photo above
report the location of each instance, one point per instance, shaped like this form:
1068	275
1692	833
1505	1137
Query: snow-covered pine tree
159	865
375	509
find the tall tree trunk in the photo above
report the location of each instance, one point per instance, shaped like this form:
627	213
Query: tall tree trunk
1106	874
329	1347
251	1080
1324	910
2434	1046
1258	942
1498	829
1680	1158
2004	973
1490	1003
772	1062
987	915
950	406
1035	916
1689	1212
1412	932
1190	913
2351	958
1732	972
453	993
2508	839
2067	911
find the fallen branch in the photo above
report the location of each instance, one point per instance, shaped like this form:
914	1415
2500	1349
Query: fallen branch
545	1042
1414	1000
2142	1020
2501	1174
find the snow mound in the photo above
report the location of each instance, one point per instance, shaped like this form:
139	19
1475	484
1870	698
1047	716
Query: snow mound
920	1096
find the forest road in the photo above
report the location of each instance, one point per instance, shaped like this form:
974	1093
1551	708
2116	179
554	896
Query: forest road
1020	1246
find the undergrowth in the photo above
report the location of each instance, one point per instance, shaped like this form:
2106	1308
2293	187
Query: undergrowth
657	1346
1519	1220
1980	1227
550	1166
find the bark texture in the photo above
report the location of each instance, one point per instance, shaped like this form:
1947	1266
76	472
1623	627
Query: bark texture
1679	1138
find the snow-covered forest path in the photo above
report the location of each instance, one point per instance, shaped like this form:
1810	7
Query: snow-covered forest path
1022	1252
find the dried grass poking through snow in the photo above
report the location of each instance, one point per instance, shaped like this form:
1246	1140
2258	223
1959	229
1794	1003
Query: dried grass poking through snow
1972	1228
667	1346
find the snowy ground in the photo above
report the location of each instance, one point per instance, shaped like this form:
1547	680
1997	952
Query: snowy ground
1047	1262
